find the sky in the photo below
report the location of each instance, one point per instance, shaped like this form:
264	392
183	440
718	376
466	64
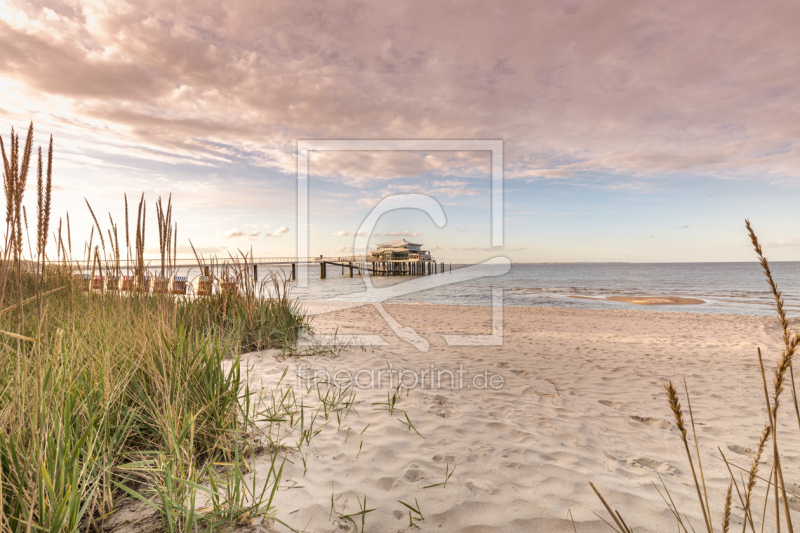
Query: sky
632	131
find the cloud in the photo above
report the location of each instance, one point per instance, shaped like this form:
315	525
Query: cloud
782	243
342	233
714	194
254	233
683	227
140	82
358	167
405	233
231	233
278	232
450	188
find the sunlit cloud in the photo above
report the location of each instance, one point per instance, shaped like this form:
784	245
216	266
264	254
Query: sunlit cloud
231	233
405	233
278	232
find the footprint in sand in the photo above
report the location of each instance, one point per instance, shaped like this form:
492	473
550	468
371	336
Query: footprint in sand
652	422
386	483
476	488
439	458
520	373
440	406
439	401
609	403
741	450
653	464
413	475
504	364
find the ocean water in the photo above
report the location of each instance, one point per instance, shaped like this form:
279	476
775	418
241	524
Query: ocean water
730	288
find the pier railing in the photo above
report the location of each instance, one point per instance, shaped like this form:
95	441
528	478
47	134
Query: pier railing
212	261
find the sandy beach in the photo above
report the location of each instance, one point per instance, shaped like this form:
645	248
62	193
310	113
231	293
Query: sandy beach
581	400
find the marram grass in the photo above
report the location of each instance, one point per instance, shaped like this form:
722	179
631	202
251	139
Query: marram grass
105	396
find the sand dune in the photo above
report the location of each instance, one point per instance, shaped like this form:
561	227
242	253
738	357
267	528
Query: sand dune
582	400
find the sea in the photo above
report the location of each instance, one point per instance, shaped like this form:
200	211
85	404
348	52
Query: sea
727	288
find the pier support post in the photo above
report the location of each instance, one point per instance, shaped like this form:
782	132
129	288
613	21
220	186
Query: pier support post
293	271
350	268
255	273
322	273
451	267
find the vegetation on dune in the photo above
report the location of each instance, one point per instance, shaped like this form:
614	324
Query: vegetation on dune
105	395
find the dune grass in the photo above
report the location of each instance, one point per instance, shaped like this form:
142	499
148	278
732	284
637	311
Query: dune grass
106	396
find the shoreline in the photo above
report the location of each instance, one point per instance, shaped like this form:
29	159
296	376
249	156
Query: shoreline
640	308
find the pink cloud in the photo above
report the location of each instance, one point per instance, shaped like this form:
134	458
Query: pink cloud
278	232
633	87
231	233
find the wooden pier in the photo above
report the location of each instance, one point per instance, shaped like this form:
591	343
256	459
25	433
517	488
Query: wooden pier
349	265
384	268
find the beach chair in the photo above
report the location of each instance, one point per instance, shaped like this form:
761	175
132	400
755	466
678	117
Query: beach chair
144	285
84	281
179	285
127	283
160	285
112	284
97	283
204	286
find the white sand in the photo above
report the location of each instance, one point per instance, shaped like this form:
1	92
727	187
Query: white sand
583	400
